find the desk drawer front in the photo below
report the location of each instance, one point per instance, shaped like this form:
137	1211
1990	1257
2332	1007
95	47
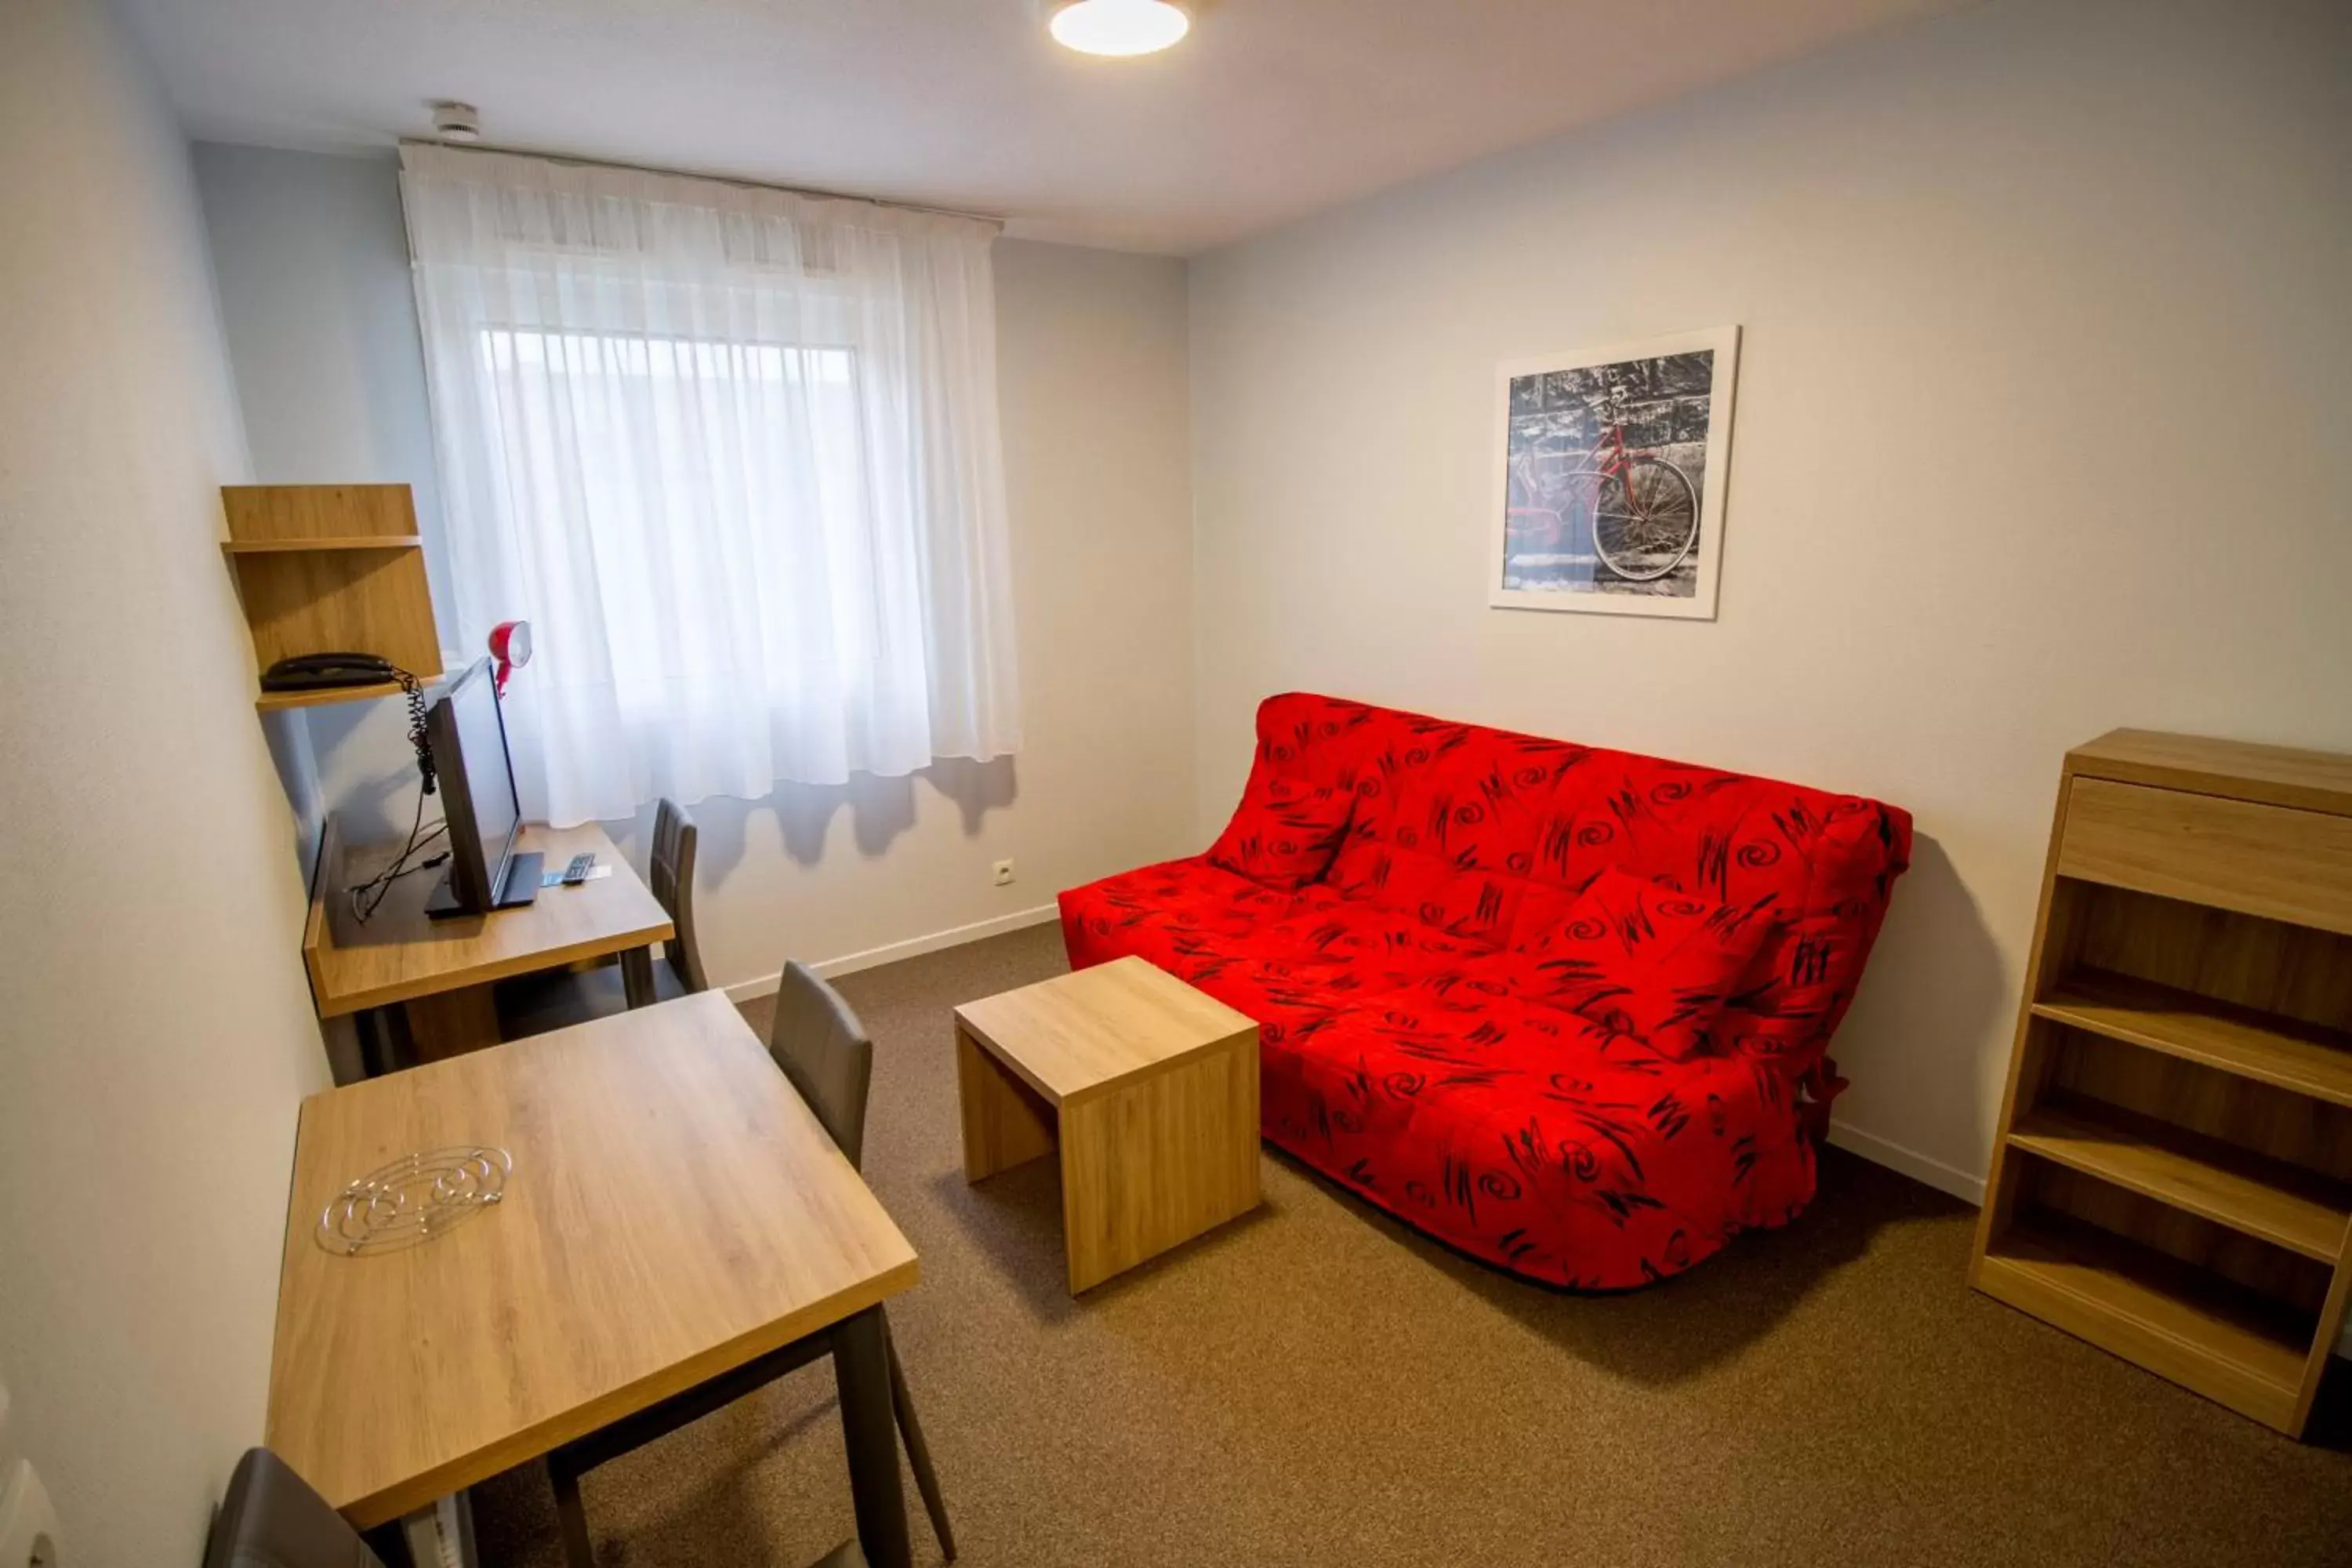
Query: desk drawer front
2267	860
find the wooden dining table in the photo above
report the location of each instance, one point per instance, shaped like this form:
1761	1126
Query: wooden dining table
669	1211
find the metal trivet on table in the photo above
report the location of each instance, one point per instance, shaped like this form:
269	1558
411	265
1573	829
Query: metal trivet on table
413	1199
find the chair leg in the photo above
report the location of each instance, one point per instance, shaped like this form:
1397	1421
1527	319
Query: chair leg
918	1453
568	1515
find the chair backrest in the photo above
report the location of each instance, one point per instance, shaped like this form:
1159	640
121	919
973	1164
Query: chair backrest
824	1051
271	1519
672	880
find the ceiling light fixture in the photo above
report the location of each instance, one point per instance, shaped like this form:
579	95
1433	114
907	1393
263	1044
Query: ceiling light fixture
1119	27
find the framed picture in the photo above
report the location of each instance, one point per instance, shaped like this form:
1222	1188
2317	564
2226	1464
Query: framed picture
1609	478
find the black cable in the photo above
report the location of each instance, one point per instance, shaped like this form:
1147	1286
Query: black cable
368	895
417	732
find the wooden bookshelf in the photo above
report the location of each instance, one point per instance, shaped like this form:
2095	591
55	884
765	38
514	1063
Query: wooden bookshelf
331	569
2172	1177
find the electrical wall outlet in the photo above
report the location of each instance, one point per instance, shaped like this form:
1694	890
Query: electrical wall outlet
1002	873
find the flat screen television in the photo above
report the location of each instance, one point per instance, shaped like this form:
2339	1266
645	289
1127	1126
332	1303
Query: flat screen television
467	735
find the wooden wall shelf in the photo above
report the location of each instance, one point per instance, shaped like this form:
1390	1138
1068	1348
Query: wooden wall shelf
2172	1179
278	701
285	546
331	569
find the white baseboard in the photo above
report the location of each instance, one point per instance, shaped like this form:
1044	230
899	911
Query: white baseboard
891	953
1911	1163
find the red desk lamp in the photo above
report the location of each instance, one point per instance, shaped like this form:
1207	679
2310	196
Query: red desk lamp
510	645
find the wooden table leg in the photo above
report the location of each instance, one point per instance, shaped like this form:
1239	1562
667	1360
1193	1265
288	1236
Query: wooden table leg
1005	1122
379	1038
861	1371
451	1023
1158	1160
637	977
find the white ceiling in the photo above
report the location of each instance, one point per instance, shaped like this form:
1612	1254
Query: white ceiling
1272	110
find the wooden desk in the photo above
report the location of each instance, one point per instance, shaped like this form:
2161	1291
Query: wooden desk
674	1212
441	970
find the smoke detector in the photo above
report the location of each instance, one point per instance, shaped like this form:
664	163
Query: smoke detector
454	121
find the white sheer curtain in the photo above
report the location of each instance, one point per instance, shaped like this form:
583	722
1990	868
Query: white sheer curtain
734	454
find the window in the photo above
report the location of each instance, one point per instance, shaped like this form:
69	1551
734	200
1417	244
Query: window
745	485
778	425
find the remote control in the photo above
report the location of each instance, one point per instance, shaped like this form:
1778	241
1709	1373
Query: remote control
577	872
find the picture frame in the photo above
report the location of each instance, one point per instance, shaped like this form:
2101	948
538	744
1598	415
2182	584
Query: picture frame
1609	478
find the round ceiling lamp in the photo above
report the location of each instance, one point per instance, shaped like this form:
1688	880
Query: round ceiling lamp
1119	27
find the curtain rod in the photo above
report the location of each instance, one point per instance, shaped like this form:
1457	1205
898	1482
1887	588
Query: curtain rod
816	191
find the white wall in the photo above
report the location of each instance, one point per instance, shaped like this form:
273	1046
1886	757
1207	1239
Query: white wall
158	1034
321	320
310	258
313	262
2041	429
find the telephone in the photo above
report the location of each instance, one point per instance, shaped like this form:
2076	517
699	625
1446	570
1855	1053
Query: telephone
318	671
325	671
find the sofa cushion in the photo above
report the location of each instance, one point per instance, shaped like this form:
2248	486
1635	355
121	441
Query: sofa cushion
1445	814
1646	961
1187	916
1285	998
1284	834
1528	1135
1168	914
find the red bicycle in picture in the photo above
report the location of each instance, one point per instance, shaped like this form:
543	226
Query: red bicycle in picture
1640	511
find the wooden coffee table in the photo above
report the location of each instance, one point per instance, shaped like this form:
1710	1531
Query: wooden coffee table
1148	1087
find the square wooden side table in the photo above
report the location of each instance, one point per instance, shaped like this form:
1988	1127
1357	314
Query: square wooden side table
1148	1087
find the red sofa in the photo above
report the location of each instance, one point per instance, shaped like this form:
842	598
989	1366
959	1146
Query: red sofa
1562	1008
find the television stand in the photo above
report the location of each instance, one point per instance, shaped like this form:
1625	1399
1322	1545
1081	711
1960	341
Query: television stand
520	888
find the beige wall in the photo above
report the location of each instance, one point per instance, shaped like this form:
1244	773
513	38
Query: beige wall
320	320
156	1035
2041	429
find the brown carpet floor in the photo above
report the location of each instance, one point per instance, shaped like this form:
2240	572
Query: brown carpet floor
1316	1385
